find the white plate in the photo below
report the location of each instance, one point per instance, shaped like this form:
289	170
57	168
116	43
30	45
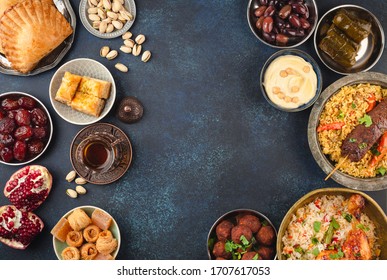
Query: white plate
130	6
82	67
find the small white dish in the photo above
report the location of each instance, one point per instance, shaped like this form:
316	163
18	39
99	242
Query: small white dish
130	6
60	246
83	67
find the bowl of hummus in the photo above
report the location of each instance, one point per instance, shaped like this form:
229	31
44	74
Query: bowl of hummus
291	80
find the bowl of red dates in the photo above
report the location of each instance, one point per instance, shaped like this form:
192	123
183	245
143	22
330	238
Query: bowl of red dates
282	23
242	234
25	128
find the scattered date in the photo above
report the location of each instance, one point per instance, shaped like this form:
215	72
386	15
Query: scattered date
240	271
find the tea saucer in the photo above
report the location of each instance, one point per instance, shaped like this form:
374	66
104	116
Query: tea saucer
107	177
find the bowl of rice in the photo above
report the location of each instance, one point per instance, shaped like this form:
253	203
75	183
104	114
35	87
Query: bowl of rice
346	108
333	224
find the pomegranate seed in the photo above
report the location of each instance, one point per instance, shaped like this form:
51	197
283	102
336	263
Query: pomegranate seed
11	224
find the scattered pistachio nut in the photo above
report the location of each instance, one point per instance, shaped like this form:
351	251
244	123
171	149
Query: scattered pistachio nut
121	67
71	176
136	50
80	189
104	51
112	55
126	49
71	193
146	56
129	43
80	181
140	39
127	35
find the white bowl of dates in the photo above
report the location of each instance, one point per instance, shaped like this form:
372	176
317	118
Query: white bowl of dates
349	39
242	234
25	128
282	23
291	80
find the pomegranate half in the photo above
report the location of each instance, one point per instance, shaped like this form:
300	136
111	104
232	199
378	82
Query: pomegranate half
28	187
18	228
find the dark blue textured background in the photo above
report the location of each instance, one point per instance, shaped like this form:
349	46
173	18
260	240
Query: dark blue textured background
208	142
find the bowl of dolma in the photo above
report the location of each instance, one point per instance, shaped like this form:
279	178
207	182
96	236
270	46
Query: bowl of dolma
349	39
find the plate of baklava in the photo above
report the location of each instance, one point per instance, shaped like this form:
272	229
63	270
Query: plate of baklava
34	35
82	91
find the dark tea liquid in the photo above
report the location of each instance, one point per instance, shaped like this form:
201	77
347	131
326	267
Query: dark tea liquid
96	155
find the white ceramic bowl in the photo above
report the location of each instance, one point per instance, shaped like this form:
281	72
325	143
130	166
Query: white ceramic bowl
82	67
60	246
130	6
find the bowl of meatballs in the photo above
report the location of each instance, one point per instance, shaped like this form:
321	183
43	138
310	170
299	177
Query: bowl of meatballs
242	234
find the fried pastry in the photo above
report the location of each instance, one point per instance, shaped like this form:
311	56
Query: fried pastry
74	238
68	87
91	233
6	4
88	104
78	219
103	257
96	87
71	253
29	31
88	251
106	243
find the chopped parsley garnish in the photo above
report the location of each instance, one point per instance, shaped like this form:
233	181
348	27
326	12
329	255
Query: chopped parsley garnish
256	256
381	170
335	223
353	105
315	251
338	255
298	249
362	227
357	255
341	115
366	120
316	226
244	240
264	223
363	145
348	217
374	150
352	140
314	241
329	233
237	250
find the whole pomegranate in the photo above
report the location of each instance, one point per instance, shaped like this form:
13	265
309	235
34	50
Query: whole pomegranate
28	187
18	228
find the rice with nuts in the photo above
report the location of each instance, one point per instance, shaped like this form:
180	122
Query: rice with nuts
347	106
306	232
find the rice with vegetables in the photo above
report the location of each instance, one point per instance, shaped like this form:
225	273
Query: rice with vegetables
323	228
341	114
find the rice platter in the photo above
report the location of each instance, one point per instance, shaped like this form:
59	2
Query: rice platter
331	225
353	107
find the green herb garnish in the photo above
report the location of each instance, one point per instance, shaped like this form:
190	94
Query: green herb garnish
298	249
363	145
244	240
341	115
362	227
374	150
316	226
315	251
353	105
366	120
314	241
348	217
381	170
335	223
264	223
338	255
329	233
256	256
352	140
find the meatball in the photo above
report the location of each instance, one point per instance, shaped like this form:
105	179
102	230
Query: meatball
266	235
223	230
266	253
251	256
219	250
251	221
238	231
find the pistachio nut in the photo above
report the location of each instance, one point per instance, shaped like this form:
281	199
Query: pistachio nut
93	10
109	28
71	176
140	39
112	55
71	193
94	17
93	3
80	181
136	50
127	35
129	43
146	56
116	6
102	27
107	4
80	189
121	67
126	49
112	15
101	13
107	20
104	51
96	24
117	24
124	14
100	4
